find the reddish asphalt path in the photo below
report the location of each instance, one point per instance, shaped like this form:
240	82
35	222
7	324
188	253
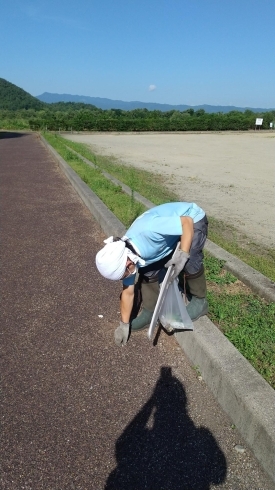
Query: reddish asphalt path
78	412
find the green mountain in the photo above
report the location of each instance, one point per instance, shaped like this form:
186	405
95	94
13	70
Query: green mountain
14	98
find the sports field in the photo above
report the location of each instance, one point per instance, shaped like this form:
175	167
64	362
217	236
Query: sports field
230	175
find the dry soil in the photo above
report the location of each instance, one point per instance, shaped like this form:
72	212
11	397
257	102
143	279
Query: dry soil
230	175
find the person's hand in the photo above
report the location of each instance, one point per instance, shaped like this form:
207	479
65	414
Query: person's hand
122	333
178	261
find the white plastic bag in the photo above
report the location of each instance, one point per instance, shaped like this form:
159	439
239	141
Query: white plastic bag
173	313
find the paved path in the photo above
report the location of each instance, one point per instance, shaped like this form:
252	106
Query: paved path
77	412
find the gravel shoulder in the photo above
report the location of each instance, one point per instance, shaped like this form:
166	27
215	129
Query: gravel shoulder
230	175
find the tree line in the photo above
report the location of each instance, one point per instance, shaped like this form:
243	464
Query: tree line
20	110
80	117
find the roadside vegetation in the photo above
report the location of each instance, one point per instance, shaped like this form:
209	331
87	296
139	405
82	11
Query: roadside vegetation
246	320
65	116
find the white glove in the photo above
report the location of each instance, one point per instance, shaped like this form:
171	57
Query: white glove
178	261
122	333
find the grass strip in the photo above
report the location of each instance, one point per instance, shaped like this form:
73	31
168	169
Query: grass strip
151	186
246	320
122	205
260	258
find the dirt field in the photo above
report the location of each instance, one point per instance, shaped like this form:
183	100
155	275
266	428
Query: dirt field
230	175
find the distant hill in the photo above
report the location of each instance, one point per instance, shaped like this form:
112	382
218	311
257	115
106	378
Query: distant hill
106	104
14	98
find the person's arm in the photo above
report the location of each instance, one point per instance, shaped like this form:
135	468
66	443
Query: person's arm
122	332
187	233
181	255
126	303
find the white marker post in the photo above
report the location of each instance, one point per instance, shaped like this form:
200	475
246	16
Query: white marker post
258	123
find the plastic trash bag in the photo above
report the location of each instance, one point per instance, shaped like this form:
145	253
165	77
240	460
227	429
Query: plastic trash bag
173	313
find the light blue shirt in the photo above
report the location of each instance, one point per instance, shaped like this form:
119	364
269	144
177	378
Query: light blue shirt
156	232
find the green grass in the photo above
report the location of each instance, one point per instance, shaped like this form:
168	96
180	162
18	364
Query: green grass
215	272
249	324
260	258
247	321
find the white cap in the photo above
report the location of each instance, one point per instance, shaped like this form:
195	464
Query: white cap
111	260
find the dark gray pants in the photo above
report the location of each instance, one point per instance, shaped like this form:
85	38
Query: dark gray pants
195	262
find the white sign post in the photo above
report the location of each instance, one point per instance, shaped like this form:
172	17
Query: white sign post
259	122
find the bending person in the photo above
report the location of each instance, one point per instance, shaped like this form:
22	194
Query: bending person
147	248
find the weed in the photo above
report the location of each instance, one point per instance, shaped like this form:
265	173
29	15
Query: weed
197	369
215	271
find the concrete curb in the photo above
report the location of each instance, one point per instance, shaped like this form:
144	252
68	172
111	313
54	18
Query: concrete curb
257	282
242	393
240	390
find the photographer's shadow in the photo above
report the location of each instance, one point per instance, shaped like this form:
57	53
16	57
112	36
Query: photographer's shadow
161	449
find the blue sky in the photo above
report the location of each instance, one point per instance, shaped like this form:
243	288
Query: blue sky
219	52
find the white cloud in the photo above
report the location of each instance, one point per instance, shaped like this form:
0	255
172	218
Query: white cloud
152	87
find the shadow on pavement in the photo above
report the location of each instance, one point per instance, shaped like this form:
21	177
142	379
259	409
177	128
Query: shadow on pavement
11	134
162	449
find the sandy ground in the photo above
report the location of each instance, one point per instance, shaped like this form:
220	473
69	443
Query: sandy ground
230	175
